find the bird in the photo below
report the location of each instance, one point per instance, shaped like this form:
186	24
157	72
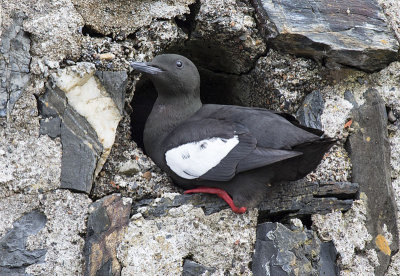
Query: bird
231	151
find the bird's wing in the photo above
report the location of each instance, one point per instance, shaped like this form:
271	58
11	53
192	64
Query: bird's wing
213	149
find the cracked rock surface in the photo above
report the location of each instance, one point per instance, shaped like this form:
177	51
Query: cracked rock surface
128	217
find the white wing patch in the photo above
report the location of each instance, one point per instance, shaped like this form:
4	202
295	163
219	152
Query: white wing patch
192	160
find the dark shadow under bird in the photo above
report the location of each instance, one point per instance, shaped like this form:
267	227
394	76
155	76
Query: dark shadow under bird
231	151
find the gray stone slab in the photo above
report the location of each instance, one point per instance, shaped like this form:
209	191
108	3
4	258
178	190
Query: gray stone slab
191	268
115	82
14	256
281	251
300	198
81	148
14	64
369	151
348	32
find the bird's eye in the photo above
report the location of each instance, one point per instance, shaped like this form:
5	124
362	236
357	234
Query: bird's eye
179	64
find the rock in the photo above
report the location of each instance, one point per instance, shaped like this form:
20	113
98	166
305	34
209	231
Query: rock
309	113
14	64
81	148
352	33
76	108
327	260
369	148
115	82
281	251
15	256
106	225
81	151
159	246
124	19
129	168
302	198
348	232
223	36
153	208
191	268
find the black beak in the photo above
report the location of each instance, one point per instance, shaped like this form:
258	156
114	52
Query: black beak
146	67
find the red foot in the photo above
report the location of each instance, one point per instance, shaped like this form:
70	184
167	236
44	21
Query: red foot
222	194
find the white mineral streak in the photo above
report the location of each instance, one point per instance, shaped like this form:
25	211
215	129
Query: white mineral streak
90	99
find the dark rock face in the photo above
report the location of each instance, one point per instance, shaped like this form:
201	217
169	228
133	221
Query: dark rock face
106	225
281	251
210	204
309	113
14	256
301	198
81	148
370	154
14	64
191	268
115	83
352	33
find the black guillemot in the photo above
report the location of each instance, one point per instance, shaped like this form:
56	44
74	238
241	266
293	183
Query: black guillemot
231	151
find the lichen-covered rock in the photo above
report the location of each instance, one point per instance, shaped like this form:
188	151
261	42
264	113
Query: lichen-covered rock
159	246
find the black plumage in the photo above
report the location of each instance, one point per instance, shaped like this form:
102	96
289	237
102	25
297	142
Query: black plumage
258	146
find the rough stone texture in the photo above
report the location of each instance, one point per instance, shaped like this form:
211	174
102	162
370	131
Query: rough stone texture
53	27
14	64
369	148
353	33
121	19
309	113
159	246
148	182
14	255
391	9
350	237
60	236
224	36
279	82
107	224
28	162
81	148
282	251
301	198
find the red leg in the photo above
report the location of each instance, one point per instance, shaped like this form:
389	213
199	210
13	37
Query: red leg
222	194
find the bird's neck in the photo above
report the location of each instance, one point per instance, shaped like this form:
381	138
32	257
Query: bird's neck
167	113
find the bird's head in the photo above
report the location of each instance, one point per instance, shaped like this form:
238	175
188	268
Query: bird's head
172	75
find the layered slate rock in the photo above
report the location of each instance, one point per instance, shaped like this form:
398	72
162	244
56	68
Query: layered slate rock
191	268
282	251
106	225
14	254
370	154
302	198
83	107
14	64
309	113
81	148
352	33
